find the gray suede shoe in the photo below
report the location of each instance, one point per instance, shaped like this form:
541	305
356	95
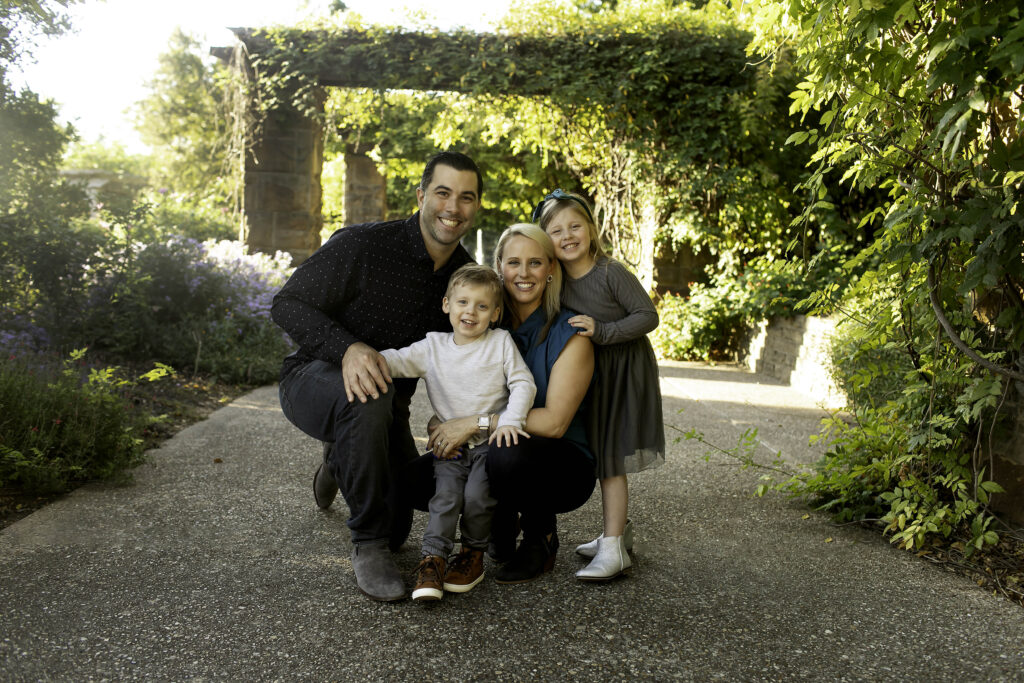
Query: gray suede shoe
324	486
376	573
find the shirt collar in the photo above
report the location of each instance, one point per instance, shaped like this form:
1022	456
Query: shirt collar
418	250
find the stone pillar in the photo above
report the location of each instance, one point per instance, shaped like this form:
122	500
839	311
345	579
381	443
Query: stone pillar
365	191
281	206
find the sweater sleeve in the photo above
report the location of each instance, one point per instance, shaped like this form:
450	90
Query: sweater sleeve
411	361
321	283
521	387
641	316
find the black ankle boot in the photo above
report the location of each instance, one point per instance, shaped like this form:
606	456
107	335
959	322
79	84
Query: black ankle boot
533	557
504	532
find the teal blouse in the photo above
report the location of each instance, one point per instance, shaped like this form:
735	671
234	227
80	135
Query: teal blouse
540	357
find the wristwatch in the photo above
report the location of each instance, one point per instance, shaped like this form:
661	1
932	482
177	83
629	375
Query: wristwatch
483	423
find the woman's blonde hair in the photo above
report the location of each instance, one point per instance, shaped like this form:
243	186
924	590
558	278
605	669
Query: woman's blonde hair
553	289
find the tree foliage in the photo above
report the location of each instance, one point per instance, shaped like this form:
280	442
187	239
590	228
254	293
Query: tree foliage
184	119
920	100
31	140
637	101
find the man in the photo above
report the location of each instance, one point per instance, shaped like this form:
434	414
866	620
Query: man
371	287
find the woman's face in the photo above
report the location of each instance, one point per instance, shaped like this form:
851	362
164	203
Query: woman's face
525	269
570	233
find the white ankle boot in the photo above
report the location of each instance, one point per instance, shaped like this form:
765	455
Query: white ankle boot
590	549
610	561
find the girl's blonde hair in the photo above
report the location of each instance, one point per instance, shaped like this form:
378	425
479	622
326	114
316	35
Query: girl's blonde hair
553	289
560	199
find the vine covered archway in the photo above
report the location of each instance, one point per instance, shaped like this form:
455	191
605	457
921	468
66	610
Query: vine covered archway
661	101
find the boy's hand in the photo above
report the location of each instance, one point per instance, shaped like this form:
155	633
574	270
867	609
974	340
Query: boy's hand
509	434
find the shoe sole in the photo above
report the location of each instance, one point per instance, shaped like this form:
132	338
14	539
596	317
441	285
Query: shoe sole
379	598
462	587
427	594
602	579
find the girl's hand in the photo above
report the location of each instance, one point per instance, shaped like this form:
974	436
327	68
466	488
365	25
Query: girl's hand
509	433
446	440
585	323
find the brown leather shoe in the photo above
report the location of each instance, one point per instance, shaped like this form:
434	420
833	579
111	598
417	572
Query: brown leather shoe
465	571
429	578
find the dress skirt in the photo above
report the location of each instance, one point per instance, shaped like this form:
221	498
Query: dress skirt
626	432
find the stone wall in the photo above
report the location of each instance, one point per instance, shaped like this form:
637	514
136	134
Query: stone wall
795	351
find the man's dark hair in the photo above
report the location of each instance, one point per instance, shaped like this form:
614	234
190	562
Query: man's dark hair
458	161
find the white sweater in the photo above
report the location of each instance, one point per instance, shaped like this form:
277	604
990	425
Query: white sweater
485	376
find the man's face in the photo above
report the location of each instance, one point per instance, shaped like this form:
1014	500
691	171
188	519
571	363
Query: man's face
448	206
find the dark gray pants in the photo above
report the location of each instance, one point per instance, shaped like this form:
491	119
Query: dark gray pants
372	442
460	486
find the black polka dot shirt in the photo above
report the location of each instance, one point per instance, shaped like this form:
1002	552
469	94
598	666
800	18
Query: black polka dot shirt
373	283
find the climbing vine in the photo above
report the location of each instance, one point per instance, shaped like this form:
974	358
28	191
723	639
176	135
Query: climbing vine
639	104
921	99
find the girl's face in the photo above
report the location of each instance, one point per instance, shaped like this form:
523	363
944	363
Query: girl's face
525	269
570	232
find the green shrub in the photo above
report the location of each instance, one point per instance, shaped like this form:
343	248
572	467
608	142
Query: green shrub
704	326
907	454
711	323
65	424
199	306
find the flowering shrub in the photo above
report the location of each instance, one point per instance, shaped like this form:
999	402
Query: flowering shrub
202	306
198	306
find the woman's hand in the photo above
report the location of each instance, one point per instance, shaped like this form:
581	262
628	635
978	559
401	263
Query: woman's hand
584	323
448	437
509	434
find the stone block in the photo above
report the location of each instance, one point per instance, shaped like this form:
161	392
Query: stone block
278	192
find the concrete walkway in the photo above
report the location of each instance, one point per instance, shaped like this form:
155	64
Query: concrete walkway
216	565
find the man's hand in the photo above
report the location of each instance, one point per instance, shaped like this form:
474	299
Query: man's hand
365	373
509	433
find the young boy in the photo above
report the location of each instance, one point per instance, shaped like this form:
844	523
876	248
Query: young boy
473	370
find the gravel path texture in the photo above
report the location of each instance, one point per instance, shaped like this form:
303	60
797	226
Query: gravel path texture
214	564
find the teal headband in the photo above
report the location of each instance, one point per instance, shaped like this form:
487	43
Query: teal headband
561	194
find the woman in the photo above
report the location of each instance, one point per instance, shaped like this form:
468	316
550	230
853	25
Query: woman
552	471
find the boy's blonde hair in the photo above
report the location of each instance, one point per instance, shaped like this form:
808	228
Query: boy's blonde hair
476	275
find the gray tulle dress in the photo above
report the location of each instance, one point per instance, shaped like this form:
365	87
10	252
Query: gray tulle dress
625	428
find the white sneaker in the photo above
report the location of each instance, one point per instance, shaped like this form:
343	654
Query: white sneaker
590	549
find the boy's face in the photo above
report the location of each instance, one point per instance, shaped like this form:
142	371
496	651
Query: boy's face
471	310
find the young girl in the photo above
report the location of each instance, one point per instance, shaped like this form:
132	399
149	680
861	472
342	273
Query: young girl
625	432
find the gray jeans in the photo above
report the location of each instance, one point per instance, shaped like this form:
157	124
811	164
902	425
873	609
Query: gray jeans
460	486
